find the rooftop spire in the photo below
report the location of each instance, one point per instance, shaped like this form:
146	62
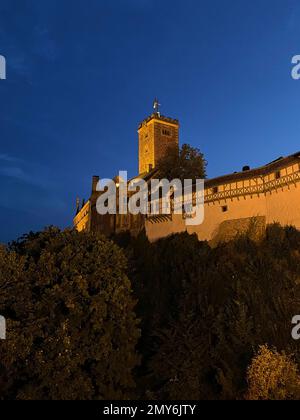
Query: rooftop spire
156	106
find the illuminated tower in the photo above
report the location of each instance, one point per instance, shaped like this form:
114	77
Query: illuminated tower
157	134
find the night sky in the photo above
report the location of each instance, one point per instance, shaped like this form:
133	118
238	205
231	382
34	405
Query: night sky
81	75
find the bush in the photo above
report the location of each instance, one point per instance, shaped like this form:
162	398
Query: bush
72	329
273	376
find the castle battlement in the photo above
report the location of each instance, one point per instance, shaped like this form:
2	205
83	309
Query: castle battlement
162	118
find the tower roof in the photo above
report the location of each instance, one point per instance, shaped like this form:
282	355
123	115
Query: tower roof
158	117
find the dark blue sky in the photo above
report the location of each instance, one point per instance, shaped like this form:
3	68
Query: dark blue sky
82	74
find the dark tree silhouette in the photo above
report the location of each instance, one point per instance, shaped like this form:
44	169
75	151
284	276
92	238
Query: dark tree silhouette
72	330
189	163
206	311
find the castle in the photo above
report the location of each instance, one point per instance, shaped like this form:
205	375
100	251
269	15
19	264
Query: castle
233	204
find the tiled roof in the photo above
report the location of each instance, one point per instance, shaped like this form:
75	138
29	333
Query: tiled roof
254	173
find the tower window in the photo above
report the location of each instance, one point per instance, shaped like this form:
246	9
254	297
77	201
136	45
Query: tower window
166	133
215	190
224	209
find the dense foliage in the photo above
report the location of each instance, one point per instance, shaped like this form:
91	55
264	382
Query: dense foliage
206	311
72	330
189	163
273	376
215	322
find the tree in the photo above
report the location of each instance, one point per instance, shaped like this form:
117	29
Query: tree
204	310
273	376
182	363
72	329
189	163
161	274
